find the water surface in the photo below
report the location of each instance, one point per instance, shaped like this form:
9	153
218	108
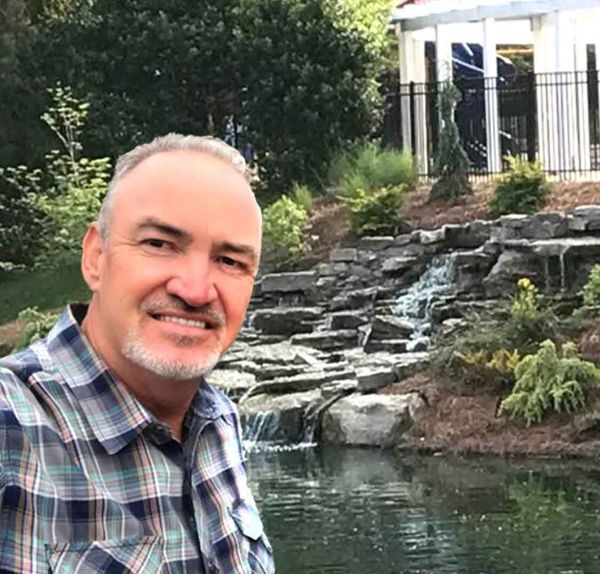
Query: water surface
357	511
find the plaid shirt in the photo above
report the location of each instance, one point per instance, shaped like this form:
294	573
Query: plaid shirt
91	482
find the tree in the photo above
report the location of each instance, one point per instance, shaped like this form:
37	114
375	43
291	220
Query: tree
298	78
451	162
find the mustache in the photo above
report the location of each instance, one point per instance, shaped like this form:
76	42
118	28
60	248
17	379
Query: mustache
174	304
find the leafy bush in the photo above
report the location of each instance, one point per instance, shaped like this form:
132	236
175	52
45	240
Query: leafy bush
486	351
483	367
523	189
369	169
284	224
530	322
56	203
376	213
591	289
37	325
550	381
302	196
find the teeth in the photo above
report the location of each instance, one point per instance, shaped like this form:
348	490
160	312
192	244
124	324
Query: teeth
181	321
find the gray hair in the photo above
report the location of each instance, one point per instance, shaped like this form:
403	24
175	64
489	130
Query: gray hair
170	142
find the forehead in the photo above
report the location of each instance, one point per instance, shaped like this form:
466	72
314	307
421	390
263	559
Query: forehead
192	190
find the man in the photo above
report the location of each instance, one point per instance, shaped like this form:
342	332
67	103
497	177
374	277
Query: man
115	455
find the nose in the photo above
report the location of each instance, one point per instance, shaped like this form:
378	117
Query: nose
193	282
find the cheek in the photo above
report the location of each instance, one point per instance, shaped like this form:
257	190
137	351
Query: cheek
235	299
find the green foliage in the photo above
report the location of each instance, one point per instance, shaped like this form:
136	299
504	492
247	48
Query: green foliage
591	289
523	189
284	225
49	209
451	162
549	380
22	220
298	77
485	352
495	368
370	168
530	321
376	213
37	325
302	196
42	288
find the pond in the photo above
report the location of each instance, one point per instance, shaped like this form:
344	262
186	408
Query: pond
351	511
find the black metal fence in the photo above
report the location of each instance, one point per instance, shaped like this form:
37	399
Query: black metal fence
552	118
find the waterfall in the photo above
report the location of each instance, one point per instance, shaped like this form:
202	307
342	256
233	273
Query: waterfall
437	280
261	427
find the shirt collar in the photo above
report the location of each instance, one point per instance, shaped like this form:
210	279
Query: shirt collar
115	416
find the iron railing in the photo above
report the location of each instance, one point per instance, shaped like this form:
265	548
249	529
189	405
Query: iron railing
552	118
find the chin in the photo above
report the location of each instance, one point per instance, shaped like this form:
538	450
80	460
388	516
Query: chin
184	364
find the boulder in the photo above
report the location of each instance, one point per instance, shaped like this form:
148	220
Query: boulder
276	418
586	217
370	420
374	243
545	226
390	327
373	378
328	340
306	381
288	282
345	255
467	236
232	382
346	320
508	269
286	320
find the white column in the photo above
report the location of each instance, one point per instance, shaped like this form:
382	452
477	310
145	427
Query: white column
405	60
443	52
545	64
583	157
413	69
490	73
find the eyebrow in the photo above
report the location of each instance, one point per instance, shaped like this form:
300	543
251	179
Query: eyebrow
153	224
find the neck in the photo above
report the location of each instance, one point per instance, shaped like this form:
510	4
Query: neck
168	400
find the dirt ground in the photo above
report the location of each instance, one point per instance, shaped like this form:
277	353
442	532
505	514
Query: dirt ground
460	419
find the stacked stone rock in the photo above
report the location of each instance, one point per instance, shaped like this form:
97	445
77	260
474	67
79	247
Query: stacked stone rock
321	343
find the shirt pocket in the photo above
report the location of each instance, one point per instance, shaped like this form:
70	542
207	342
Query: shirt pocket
132	555
254	540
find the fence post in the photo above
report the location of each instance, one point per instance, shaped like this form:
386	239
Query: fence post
413	133
530	122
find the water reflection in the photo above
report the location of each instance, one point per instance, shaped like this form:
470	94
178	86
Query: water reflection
356	511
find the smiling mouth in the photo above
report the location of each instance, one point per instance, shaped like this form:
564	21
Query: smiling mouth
181	321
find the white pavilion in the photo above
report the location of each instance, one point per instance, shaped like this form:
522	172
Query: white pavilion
560	32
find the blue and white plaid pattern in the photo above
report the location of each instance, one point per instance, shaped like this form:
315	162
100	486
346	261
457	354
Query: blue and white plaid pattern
91	482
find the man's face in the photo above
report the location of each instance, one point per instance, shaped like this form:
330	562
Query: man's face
175	275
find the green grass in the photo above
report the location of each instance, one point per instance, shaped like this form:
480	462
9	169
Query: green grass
46	289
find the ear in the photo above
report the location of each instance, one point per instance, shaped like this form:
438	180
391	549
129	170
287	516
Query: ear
91	259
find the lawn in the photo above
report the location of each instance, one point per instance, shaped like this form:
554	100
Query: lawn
47	289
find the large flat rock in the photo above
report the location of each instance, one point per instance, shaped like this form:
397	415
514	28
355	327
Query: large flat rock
370	420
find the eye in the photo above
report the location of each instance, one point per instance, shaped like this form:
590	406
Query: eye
229	261
156	243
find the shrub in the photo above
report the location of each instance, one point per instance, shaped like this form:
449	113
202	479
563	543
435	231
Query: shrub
591	289
451	162
483	367
302	196
284	225
523	189
550	381
37	325
377	212
529	321
371	168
